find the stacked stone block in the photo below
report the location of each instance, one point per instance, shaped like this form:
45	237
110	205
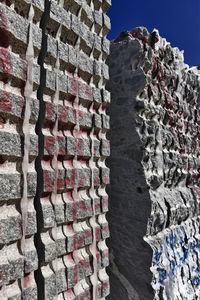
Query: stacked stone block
53	148
155	158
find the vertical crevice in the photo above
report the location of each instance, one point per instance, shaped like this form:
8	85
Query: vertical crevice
40	182
28	90
168	213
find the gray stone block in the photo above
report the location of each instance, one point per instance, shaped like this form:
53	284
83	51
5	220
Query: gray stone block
10	224
18	26
10	186
50	252
13	104
60	15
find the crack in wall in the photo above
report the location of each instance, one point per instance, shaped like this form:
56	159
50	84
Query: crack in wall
40	182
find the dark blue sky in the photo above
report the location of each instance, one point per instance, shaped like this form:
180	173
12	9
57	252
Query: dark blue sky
177	20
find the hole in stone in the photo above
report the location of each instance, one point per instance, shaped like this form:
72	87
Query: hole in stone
139	190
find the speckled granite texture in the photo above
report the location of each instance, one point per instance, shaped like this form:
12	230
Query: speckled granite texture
53	126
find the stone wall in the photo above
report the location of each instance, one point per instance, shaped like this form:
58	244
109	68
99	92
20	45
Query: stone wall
53	126
155	170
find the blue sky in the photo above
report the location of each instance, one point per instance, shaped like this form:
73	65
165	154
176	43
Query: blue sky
177	20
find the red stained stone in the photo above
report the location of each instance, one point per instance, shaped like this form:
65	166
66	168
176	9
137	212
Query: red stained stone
82	182
5	62
49	111
96	181
105	179
5	102
67	181
80	115
105	284
98	234
84	263
88	92
50	144
63	115
73	87
105	228
97	206
60	184
69	294
79	147
26	281
80	242
48	181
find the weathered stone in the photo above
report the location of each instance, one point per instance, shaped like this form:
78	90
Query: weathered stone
154	169
53	147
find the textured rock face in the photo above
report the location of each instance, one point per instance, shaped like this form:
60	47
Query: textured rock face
53	126
155	166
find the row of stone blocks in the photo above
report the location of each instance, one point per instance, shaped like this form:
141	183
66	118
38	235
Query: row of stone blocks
53	126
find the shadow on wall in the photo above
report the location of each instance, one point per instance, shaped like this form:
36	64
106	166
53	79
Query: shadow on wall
129	199
130	255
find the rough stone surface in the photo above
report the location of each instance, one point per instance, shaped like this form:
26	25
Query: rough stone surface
53	148
154	168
